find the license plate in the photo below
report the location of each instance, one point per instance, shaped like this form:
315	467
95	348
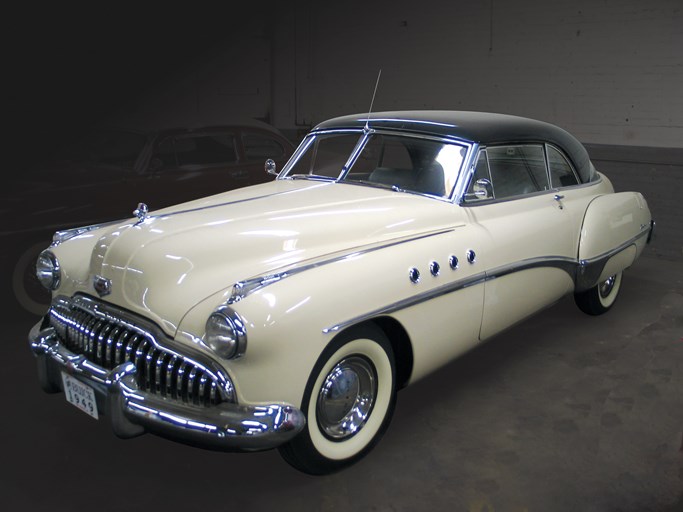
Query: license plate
81	395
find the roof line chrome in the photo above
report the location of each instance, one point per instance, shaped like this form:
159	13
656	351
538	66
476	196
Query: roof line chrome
242	289
415	121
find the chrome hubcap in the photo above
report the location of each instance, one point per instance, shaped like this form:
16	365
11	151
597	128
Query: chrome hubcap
347	397
607	286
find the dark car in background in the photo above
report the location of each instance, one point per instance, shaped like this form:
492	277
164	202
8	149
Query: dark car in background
109	170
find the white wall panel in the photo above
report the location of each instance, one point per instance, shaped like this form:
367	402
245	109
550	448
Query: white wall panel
610	71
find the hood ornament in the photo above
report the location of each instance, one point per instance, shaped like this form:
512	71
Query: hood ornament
141	212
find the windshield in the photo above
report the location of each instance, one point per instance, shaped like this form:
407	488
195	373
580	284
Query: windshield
402	162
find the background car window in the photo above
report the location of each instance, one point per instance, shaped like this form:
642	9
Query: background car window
258	147
106	147
480	188
561	173
205	150
517	170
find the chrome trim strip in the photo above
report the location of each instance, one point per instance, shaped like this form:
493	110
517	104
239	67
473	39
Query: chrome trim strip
202	208
242	289
67	234
612	252
412	301
132	411
589	270
569	265
650	236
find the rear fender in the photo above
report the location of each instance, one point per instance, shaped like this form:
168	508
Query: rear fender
614	232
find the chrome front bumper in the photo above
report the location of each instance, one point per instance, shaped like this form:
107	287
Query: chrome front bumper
132	412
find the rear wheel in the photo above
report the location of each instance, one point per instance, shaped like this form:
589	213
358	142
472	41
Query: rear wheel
348	402
601	297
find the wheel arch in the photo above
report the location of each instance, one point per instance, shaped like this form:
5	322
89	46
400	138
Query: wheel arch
400	343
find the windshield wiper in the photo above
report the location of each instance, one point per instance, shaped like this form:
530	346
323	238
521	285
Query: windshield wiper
309	177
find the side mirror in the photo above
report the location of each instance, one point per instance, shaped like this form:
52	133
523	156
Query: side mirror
482	189
484	186
271	167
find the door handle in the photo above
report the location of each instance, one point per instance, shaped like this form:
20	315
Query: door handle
559	198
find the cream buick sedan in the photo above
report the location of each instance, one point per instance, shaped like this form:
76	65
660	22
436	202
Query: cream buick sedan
288	314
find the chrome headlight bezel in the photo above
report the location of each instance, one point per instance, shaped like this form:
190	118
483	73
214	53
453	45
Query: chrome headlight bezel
226	333
48	270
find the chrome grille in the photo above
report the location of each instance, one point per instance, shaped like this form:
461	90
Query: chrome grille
109	341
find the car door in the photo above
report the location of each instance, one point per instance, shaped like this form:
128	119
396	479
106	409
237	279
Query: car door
527	245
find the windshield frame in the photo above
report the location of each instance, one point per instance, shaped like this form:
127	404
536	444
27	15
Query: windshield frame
364	135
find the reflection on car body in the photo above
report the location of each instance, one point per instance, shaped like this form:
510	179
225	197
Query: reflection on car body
288	314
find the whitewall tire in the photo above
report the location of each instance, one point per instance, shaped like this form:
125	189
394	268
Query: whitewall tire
348	402
601	297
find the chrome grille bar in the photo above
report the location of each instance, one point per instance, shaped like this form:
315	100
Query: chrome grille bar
109	341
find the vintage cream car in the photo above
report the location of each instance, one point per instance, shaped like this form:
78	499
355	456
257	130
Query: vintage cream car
288	314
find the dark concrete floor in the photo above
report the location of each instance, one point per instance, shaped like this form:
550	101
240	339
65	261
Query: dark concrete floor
564	412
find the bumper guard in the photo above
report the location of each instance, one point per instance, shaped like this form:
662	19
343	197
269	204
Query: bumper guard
132	412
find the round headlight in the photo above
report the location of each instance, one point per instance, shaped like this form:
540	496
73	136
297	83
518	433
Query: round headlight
48	271
225	333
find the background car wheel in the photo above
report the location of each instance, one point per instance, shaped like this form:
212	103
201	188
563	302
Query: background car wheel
30	294
601	297
348	402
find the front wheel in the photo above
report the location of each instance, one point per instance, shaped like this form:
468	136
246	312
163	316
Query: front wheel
601	297
348	402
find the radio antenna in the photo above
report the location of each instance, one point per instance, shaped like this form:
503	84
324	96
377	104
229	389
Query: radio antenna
372	102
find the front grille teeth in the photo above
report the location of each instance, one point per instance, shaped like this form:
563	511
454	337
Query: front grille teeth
109	342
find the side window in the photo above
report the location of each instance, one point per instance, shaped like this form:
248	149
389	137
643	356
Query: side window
195	151
258	147
561	173
164	158
517	170
213	149
480	188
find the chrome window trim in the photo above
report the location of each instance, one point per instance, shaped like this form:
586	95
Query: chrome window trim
306	143
364	137
566	159
464	203
242	289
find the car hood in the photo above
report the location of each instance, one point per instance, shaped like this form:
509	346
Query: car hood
179	256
